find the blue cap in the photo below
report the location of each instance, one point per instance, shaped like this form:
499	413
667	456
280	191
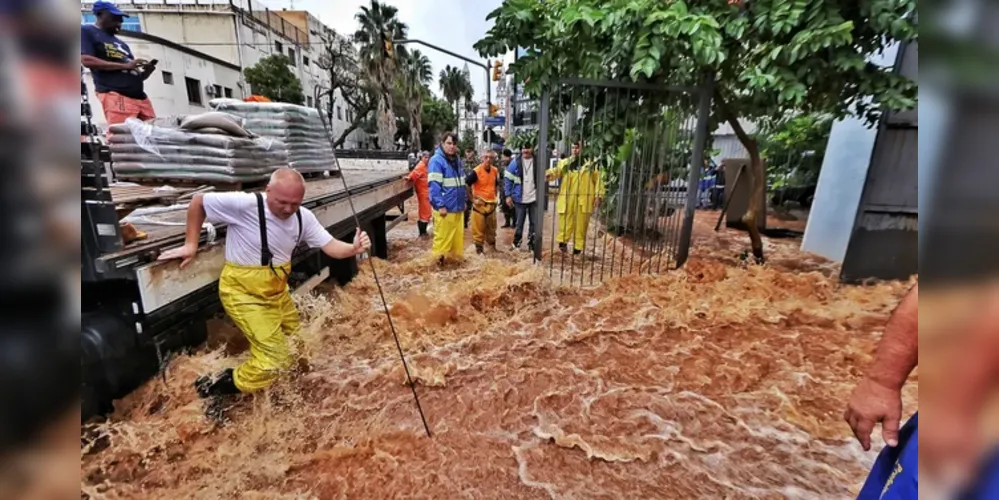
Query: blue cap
102	6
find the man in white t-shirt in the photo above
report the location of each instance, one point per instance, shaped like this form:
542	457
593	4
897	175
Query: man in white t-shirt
253	287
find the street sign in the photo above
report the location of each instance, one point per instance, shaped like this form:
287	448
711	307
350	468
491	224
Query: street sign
494	121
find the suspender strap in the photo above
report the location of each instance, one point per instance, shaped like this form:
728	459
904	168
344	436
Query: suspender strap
298	215
266	257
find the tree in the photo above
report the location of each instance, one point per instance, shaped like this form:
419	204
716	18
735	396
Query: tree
272	78
416	75
766	58
794	148
339	61
454	86
378	23
438	117
467	140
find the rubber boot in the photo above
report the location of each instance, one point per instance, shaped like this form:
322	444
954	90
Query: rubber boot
422	227
479	250
562	247
576	252
223	385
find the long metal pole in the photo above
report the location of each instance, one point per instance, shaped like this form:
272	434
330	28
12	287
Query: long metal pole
540	182
459	56
697	163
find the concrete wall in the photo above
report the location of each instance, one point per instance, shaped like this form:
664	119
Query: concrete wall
841	182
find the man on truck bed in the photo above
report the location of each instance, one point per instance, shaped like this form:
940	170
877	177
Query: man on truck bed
263	231
118	75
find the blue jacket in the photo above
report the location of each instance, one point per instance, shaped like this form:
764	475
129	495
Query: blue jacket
513	181
447	182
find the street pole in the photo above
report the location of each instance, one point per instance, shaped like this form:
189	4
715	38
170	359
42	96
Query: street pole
459	56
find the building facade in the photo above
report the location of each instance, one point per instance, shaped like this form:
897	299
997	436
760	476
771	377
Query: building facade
204	47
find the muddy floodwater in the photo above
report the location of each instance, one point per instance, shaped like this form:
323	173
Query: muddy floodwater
720	380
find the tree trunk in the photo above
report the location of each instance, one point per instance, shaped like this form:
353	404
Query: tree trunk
343	136
415	127
758	182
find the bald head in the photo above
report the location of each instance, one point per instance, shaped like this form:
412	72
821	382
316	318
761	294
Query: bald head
285	192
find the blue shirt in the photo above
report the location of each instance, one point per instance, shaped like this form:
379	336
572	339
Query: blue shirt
98	43
894	475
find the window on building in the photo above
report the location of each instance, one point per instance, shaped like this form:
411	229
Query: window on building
218	90
167	77
305	61
291	54
228	93
278	47
308	101
127	24
339	113
193	91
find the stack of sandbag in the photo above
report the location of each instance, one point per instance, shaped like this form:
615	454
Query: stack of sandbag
210	147
300	128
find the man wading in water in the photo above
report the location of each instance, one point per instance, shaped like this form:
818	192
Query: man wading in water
263	231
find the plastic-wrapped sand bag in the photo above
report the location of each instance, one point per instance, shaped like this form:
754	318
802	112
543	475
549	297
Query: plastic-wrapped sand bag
215	119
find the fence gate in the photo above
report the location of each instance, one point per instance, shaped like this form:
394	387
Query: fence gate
621	187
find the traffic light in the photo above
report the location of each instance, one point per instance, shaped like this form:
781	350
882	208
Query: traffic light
387	50
493	110
497	70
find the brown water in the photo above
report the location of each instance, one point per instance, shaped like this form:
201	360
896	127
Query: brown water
716	381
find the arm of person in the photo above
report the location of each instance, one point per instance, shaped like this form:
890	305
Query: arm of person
93	62
195	219
878	396
316	236
556	171
471	179
435	180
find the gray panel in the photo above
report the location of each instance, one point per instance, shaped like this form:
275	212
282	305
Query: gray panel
907	65
892	180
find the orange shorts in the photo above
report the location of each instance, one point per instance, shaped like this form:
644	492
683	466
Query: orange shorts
117	108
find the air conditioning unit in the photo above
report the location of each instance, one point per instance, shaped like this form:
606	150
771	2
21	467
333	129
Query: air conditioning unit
210	90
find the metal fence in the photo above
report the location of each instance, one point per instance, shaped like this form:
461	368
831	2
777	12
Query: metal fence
621	190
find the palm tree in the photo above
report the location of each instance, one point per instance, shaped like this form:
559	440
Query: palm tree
454	86
377	22
416	75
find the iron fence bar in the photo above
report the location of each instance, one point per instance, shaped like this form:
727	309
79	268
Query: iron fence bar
591	115
652	241
653	167
606	217
639	215
697	159
675	223
662	202
540	184
626	189
586	82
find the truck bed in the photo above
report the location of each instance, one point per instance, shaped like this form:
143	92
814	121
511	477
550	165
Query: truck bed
318	192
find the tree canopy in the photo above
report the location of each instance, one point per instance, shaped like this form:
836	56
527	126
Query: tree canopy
272	78
377	21
766	58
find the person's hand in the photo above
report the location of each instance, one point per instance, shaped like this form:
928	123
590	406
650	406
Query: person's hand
869	404
361	242
442	211
133	64
509	201
186	253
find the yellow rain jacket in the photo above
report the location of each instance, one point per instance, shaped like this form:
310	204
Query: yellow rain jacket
581	186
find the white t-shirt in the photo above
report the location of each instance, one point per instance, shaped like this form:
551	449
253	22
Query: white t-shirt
529	193
242	240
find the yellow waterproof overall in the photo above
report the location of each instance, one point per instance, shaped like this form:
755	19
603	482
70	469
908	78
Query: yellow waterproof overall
259	302
578	193
449	235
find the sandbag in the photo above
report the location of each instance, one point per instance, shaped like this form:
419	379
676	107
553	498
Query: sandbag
215	119
128	169
275	156
193	161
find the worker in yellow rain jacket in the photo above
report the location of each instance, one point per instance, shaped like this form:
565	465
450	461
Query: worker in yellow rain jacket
580	193
484	180
262	232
